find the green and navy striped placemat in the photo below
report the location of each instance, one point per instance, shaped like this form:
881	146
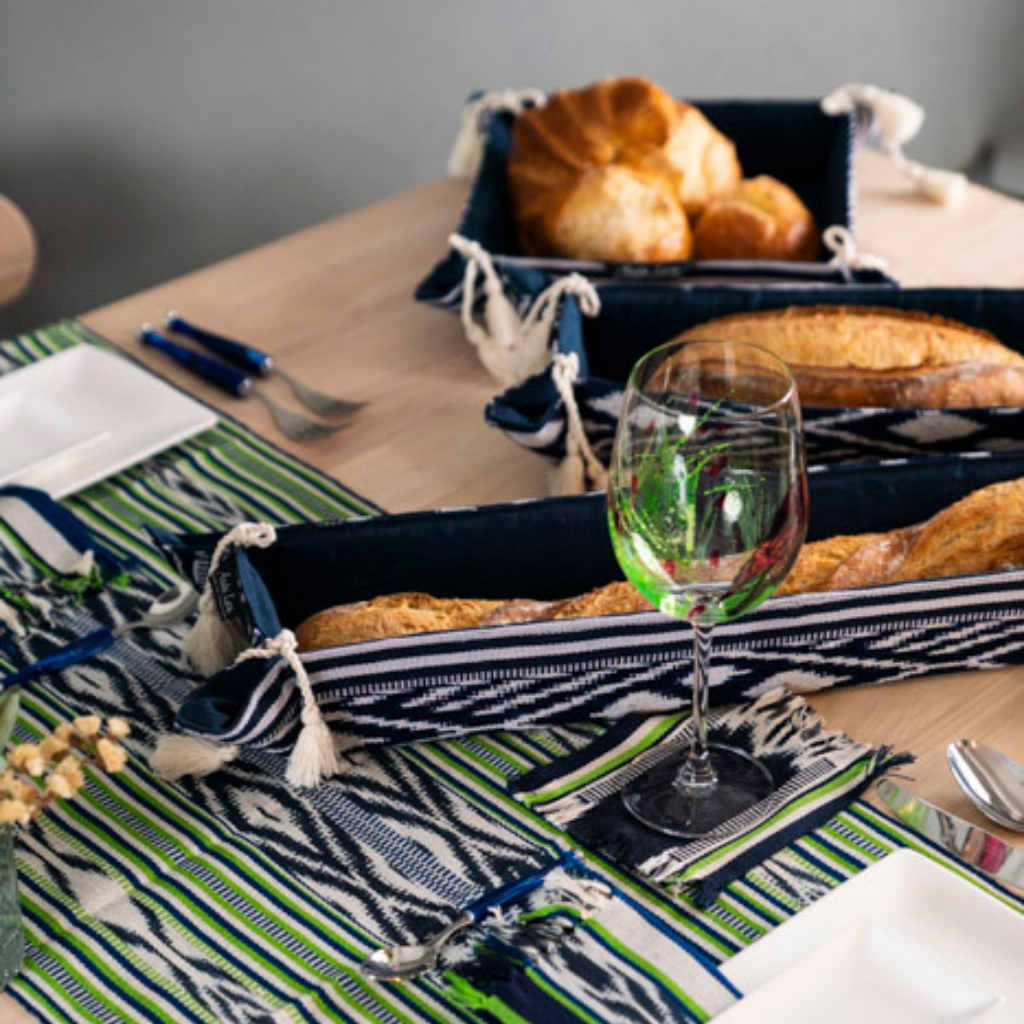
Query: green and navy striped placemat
234	898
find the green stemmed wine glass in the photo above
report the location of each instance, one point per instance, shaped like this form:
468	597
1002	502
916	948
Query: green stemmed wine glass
707	507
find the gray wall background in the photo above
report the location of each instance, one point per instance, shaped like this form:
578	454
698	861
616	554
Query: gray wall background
146	138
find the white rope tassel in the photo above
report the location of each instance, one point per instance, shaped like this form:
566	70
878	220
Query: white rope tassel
895	120
512	349
213	643
178	756
539	324
314	757
580	467
468	149
497	342
839	241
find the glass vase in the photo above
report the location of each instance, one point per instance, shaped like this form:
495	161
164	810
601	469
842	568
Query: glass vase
12	935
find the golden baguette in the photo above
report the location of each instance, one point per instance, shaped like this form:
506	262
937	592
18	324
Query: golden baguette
869	356
982	532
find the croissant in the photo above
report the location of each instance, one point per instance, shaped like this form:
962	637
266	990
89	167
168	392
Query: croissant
615	171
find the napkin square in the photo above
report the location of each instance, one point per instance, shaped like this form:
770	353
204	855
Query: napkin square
581	948
816	774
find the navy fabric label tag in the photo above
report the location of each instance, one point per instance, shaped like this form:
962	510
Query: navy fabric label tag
227	589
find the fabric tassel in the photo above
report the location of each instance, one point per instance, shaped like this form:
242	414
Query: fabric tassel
213	643
895	120
513	348
314	757
570	475
580	470
178	756
467	150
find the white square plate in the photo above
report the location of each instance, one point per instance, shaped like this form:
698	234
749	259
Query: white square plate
906	934
84	414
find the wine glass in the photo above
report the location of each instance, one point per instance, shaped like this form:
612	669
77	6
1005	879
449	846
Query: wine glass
707	507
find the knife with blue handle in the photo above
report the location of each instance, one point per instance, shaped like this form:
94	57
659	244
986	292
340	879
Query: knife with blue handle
248	358
983	851
227	378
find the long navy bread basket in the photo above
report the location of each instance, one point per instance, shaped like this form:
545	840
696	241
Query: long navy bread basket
517	676
635	319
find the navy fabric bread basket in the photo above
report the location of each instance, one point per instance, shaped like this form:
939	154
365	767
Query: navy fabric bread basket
793	141
517	676
635	319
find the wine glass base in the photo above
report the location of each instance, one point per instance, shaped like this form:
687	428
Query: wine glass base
664	803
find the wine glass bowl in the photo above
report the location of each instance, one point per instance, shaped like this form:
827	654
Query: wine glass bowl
707	508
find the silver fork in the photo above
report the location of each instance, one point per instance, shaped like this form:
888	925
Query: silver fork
317	401
261	364
234	382
292	424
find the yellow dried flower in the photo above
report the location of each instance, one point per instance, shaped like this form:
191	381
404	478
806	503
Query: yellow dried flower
65	731
53	746
110	756
27	758
59	786
118	728
14	812
71	769
26	792
88	726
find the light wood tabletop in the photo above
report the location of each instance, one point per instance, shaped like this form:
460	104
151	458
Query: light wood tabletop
334	305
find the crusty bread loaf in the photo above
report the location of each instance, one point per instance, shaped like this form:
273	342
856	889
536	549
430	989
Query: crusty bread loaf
983	532
761	219
615	171
389	616
868	356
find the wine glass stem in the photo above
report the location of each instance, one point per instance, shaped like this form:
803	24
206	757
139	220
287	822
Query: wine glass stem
696	769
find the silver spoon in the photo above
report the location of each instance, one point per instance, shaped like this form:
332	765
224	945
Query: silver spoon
403	963
993	782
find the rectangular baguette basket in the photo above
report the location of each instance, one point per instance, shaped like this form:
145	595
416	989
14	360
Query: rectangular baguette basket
518	676
634	320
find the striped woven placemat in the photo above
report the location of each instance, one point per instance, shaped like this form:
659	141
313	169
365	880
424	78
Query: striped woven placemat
234	898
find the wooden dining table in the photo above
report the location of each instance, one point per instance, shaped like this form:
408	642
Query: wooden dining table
334	305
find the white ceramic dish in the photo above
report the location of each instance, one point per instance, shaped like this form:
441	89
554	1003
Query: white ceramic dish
905	940
82	415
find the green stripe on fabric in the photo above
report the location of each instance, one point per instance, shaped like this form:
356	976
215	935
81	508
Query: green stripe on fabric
646	967
839	782
648	740
140	964
538	978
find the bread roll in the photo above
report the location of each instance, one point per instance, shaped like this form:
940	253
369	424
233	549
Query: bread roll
865	356
983	532
615	171
761	219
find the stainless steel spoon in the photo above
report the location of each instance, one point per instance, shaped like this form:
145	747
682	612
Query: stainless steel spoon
993	782
403	963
